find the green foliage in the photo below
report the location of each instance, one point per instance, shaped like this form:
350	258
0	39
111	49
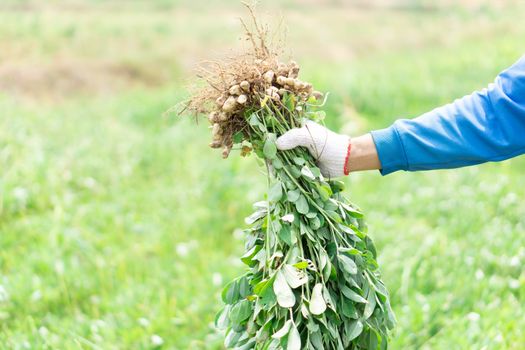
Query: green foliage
313	282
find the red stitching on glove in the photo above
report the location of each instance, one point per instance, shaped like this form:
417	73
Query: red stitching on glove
346	170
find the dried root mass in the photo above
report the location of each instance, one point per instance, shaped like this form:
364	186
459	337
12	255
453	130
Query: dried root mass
243	84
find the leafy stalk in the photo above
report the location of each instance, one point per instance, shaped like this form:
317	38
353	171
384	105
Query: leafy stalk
312	280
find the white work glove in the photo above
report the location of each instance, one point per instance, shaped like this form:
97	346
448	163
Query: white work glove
330	150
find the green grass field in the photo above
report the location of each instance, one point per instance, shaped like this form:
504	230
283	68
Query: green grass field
118	227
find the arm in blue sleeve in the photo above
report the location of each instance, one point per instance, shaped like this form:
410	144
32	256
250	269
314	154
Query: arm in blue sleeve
486	126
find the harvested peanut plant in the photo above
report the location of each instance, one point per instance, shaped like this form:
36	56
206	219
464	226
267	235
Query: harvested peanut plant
312	280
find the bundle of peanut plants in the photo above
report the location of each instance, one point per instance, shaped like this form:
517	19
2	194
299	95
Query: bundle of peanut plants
312	280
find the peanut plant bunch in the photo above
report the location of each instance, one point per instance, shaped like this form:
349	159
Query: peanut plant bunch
312	280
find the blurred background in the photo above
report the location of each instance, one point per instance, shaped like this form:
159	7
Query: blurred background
118	227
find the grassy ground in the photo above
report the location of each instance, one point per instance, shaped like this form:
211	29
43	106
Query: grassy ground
118	227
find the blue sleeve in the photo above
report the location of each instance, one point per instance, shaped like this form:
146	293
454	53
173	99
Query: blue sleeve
488	125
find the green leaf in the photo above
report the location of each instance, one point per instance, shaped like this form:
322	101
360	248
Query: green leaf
260	257
241	311
351	281
293	254
371	247
350	294
381	289
324	191
369	308
293	196
230	293
285	234
299	160
312	326
353	329
324	232
296	173
302	205
304	311
331	249
301	264
261	287
384	343
347	264
294	277
222	320
306	230
244	287
373	343
269	149
289	184
323	259
231	339
237	137
276	192
316	171
268	298
317	340
315	223
283	292
247	346
331	205
311	214
334	216
350	250
283	331
255	216
254	120
294	339
333	274
247	258
328	299
353	212
348	308
317	302
391	318
277	163
306	172
337	186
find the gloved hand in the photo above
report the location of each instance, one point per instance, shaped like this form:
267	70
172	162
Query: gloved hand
331	150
